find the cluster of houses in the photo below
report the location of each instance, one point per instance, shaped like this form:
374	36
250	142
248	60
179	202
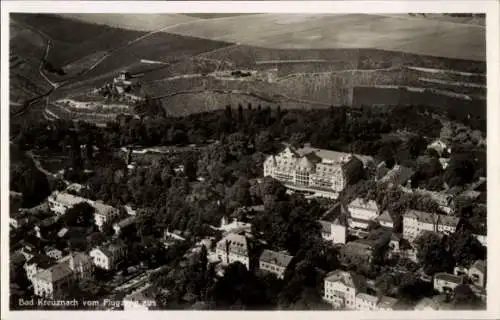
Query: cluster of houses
326	173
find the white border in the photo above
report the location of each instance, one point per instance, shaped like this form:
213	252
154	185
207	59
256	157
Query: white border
493	66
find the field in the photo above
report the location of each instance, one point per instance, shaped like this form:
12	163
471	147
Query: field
385	32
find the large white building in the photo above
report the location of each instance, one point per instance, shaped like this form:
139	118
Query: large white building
414	222
319	171
232	248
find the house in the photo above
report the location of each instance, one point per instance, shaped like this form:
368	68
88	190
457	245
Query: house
104	214
108	256
362	212
140	299
54	253
233	247
341	288
477	273
274	262
366	302
414	222
36	264
359	250
323	172
385	220
446	282
52	282
124	224
334	232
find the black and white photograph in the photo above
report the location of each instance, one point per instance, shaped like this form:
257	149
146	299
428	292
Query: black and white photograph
246	161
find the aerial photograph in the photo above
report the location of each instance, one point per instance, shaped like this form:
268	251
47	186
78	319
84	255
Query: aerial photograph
247	161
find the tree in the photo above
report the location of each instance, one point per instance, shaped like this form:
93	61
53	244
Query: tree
465	298
80	215
460	170
432	254
465	248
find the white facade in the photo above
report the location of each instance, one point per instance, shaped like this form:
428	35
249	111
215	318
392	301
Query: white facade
338	233
362	213
308	169
60	202
445	282
104	214
414	222
107	259
340	289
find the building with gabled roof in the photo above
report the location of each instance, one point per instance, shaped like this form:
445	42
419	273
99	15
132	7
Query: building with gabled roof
341	288
274	262
477	273
414	222
233	247
108	256
361	213
36	264
334	232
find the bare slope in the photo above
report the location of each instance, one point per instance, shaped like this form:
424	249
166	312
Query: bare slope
397	33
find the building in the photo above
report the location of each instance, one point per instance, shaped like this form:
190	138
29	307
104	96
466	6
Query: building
60	202
322	172
36	264
104	214
341	288
414	222
358	250
54	281
477	273
361	213
140	299
446	282
366	302
108	257
334	232
124	224
274	262
232	248
385	220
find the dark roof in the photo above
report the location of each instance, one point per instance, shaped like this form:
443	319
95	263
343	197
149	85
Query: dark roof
41	261
326	227
276	258
385	216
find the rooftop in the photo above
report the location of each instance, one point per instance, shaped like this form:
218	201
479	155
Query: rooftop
55	273
367	297
66	198
427	217
385	216
480	265
348	278
236	243
276	258
42	261
448	277
126	222
365	204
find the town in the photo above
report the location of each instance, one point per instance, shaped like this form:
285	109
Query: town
360	234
